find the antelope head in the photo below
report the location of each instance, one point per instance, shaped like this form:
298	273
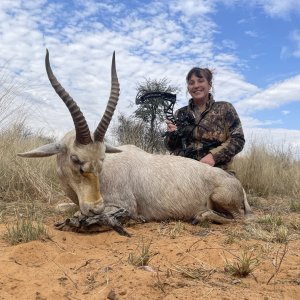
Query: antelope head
80	154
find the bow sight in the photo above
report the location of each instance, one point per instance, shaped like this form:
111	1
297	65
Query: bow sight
167	99
185	122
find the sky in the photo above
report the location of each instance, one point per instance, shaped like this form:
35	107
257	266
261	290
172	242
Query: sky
252	46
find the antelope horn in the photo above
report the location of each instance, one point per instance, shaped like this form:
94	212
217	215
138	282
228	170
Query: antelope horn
83	135
111	104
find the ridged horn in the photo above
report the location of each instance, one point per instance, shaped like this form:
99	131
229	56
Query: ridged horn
83	135
111	104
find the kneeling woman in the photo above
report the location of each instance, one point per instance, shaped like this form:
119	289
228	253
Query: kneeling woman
215	134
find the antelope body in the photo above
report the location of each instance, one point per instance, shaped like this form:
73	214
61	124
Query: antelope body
153	187
161	187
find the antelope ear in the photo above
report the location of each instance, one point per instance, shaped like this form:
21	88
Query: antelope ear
111	149
44	151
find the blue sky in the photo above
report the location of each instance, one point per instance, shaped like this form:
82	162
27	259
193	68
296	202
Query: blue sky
253	47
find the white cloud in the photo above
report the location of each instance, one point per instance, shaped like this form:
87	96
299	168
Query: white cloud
230	44
294	49
231	86
250	122
295	37
284	52
80	55
242	21
279	8
274	96
273	8
257	55
154	41
193	7
281	139
251	33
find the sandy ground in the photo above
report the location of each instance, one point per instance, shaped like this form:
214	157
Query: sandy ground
73	265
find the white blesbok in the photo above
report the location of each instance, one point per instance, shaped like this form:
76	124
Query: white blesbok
80	154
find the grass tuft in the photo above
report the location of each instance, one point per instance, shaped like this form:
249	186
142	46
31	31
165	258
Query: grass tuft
242	265
26	230
172	231
295	205
275	234
198	272
270	221
142	254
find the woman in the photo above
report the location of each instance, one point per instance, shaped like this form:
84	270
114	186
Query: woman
208	131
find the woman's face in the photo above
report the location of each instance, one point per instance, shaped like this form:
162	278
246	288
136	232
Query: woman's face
198	88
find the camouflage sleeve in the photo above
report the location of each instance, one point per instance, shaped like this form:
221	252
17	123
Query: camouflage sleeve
235	141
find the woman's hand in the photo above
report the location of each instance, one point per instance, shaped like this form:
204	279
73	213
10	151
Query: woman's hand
208	159
171	126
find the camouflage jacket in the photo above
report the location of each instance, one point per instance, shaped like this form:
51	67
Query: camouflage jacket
217	130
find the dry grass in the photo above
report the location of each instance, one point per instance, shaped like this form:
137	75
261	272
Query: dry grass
271	221
275	234
24	181
142	255
242	265
273	229
295	205
268	170
194	272
26	228
172	230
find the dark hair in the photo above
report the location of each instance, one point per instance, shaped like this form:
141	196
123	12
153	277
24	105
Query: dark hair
201	73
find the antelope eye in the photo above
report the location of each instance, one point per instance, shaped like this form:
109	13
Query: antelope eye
75	159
